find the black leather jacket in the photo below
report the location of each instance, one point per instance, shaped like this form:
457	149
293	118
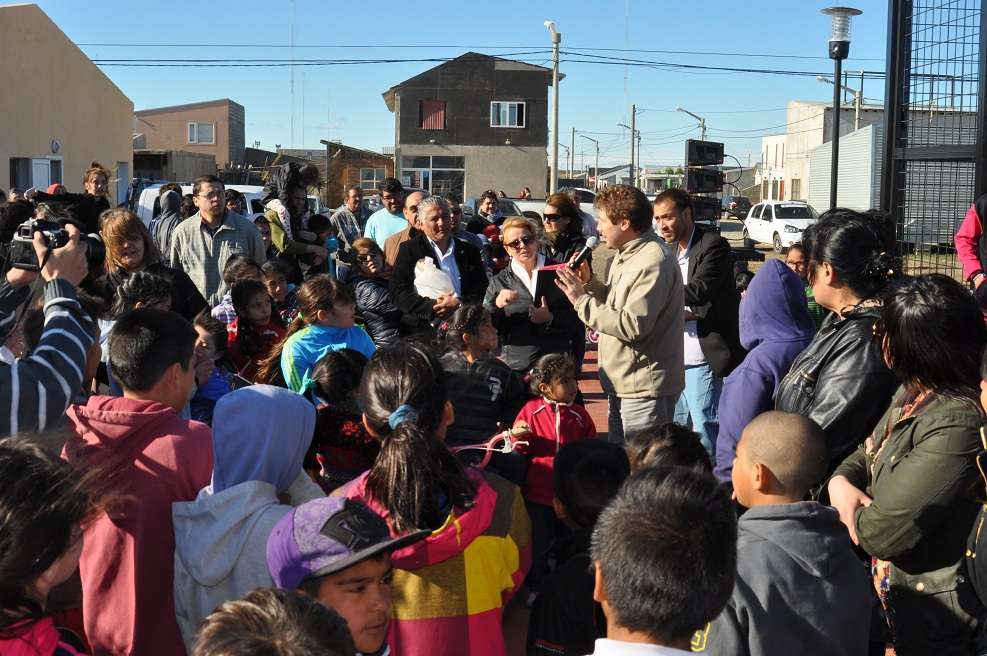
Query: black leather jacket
381	317
840	382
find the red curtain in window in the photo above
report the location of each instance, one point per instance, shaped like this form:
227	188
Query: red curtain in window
433	114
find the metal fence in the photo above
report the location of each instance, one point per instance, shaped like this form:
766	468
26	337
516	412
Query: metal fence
935	160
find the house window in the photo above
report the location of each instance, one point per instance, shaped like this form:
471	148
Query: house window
370	177
439	174
507	114
432	114
202	133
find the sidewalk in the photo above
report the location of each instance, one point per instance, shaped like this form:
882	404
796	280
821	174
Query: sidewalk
593	396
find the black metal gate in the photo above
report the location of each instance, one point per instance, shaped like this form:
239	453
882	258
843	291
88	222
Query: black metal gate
935	146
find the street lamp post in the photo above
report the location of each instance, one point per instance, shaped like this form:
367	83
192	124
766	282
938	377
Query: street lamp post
702	121
553	180
596	170
839	48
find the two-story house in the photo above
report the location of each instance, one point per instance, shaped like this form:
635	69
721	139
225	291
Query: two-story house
214	127
476	122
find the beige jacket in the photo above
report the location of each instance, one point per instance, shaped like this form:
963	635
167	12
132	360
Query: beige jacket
639	314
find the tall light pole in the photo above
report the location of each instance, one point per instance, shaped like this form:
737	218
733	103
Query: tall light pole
634	134
702	121
572	152
839	48
857	99
553	179
596	169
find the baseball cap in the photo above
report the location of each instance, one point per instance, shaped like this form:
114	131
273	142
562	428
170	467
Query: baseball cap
327	535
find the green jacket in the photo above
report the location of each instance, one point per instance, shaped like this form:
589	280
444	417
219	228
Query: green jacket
921	515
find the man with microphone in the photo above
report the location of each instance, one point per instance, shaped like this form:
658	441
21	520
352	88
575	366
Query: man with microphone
638	312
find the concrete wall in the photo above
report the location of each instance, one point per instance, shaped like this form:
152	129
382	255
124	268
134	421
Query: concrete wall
492	167
53	92
167	129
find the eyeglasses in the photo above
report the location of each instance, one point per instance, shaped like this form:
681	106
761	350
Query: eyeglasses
212	194
366	257
552	217
520	241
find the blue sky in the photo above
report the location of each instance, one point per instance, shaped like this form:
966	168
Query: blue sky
344	102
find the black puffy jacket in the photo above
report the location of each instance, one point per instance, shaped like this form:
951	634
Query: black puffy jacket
840	381
381	316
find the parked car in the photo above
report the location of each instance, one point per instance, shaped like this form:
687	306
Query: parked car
147	207
737	206
778	222
506	206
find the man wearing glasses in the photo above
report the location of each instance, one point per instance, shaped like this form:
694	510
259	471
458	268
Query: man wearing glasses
201	244
459	260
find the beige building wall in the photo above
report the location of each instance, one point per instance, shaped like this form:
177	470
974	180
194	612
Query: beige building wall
167	128
52	92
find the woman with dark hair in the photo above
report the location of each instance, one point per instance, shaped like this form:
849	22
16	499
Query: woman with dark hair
840	380
563	224
369	278
130	248
450	588
44	503
904	494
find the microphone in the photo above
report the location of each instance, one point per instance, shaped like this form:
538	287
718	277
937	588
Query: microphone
583	254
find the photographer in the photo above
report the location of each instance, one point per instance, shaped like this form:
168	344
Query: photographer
37	389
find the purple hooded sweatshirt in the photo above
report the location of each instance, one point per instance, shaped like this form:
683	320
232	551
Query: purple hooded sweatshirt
774	328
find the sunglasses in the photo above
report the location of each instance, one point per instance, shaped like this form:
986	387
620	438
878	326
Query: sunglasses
365	257
552	217
519	242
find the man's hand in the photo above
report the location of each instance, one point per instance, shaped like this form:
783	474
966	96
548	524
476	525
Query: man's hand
318	251
505	297
585	273
20	277
445	305
571	283
539	313
846	498
67	262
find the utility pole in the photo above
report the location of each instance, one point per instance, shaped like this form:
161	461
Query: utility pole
596	170
630	171
640	169
572	152
553	179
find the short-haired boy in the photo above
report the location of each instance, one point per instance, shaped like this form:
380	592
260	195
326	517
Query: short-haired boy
150	458
338	551
800	588
564	618
274	622
665	553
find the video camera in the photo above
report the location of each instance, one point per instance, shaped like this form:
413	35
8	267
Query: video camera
22	255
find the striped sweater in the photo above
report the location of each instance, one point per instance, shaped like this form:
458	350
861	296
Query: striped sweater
36	390
450	588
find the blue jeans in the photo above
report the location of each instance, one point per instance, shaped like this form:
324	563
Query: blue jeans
698	406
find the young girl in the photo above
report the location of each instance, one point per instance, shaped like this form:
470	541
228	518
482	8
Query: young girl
285	299
485	392
342	449
450	588
43	506
324	323
213	372
252	334
553	420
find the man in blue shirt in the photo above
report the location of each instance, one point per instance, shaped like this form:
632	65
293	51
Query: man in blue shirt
389	219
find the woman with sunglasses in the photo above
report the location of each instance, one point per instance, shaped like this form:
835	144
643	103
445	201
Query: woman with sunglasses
529	325
904	495
373	296
840	380
563	228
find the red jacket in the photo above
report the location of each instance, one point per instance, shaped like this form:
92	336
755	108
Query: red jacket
246	365
150	458
553	425
39	638
967	242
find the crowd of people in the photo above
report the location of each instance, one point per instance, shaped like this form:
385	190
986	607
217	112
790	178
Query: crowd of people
362	433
